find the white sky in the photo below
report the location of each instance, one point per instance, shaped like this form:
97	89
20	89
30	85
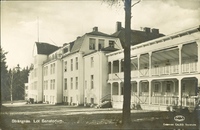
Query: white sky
62	21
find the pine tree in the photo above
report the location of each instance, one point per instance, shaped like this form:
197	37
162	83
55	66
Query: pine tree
4	72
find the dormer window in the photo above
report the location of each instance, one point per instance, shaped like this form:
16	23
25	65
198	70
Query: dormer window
101	44
53	56
65	50
92	42
111	44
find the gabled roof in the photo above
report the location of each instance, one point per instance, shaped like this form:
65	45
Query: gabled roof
45	48
136	36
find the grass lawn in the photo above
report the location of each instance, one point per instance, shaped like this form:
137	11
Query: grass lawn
42	116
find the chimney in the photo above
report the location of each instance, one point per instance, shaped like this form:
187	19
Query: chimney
147	30
95	29
155	31
118	26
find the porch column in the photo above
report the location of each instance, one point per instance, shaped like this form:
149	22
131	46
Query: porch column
111	71
138	56
119	88
180	58
150	54
150	92
179	92
111	87
138	88
120	65
198	63
174	89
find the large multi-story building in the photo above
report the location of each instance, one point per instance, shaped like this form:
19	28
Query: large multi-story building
90	69
35	80
164	71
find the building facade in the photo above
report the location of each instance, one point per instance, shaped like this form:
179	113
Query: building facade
164	71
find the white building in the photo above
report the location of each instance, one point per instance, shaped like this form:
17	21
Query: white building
35	80
85	67
164	71
52	78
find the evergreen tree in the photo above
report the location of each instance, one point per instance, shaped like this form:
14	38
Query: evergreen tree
4	71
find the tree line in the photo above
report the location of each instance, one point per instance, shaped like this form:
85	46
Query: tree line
12	80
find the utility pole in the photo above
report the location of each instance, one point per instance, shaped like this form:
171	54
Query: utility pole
126	118
126	115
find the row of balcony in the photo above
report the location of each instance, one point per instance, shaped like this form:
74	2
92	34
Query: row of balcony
158	100
158	71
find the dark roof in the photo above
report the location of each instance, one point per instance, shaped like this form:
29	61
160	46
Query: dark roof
45	48
97	33
76	46
109	49
136	36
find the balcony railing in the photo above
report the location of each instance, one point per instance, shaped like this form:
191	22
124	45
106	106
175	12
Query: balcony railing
189	67
163	70
173	100
158	100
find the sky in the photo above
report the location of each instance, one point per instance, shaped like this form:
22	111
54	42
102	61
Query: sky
59	22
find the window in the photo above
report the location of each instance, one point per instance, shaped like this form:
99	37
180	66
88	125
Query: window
92	100
71	64
101	44
183	87
51	84
47	85
92	43
47	70
111	44
54	68
71	99
51	71
65	66
71	83
168	88
53	56
76	63
65	84
65	50
92	61
76	82
156	87
66	99
146	88
92	81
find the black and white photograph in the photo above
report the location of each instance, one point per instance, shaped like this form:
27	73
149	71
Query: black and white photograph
100	64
